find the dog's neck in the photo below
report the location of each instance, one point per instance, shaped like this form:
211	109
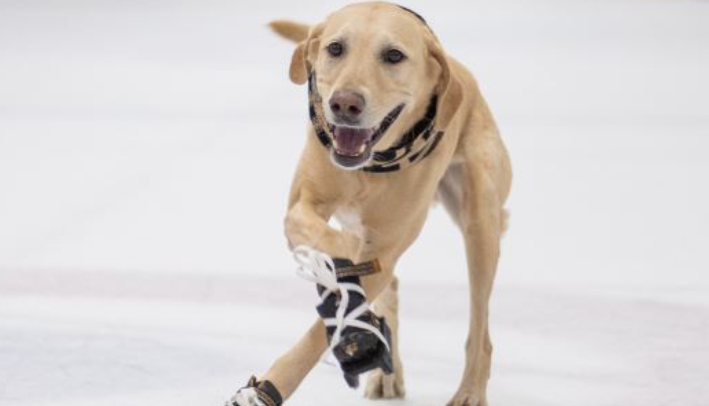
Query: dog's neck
413	146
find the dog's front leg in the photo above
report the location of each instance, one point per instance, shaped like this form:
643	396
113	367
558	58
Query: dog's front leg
481	221
306	225
381	385
289	370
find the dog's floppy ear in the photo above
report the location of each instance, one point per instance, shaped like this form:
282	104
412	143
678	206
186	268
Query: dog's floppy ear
304	55
448	89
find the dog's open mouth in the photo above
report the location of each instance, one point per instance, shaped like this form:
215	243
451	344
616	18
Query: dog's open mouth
353	145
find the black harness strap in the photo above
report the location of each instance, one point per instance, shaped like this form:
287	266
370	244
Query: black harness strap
316	114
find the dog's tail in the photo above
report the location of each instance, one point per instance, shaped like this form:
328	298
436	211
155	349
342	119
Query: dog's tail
291	30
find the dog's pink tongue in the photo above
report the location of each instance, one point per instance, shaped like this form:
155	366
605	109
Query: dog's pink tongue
350	140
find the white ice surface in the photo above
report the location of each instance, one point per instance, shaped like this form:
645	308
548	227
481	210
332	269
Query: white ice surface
146	151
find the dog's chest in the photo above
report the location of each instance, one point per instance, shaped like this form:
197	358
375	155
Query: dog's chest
347	218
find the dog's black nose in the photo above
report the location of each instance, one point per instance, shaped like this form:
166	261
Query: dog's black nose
347	105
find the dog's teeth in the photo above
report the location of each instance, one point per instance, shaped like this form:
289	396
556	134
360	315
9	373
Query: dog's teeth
362	148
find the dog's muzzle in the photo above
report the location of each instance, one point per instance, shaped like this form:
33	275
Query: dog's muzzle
352	146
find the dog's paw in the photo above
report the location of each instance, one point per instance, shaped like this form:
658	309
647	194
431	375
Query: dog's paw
467	398
384	386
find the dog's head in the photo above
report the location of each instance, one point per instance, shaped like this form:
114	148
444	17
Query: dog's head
376	66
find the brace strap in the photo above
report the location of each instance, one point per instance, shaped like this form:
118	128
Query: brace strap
257	393
361	269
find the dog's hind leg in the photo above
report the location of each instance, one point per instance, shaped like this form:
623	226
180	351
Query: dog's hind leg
381	385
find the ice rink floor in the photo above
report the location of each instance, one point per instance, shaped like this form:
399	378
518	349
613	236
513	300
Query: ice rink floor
146	151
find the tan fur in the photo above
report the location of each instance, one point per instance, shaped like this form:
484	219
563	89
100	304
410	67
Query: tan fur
469	173
290	30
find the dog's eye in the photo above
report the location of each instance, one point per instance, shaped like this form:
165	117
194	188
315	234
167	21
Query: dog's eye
335	49
394	56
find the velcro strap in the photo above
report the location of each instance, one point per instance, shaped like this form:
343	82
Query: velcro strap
265	398
361	269
266	391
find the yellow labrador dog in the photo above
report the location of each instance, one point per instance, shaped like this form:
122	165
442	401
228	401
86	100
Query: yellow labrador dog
396	125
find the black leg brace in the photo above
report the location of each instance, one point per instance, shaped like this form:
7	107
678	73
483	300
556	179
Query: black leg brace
359	350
